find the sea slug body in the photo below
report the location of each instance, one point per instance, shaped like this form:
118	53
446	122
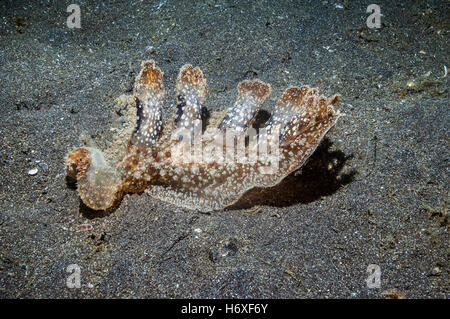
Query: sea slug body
203	169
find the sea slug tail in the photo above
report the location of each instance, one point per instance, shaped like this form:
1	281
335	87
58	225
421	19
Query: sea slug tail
300	110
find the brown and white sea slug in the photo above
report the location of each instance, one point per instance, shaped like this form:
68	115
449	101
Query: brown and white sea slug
203	170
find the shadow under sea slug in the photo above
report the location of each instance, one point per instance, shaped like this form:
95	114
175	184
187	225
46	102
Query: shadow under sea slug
210	170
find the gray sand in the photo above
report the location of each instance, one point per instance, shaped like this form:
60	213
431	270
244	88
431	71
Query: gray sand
375	192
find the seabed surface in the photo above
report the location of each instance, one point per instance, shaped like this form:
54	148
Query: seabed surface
375	192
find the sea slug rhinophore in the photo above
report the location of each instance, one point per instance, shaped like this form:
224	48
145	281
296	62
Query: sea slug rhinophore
196	168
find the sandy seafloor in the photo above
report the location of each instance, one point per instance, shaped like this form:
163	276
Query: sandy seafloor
375	192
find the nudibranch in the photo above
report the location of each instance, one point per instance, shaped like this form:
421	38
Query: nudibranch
196	167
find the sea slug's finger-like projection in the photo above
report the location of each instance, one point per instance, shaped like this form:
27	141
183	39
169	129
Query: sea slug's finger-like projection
149	95
179	163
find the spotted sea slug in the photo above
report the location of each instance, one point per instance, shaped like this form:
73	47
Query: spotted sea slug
183	163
